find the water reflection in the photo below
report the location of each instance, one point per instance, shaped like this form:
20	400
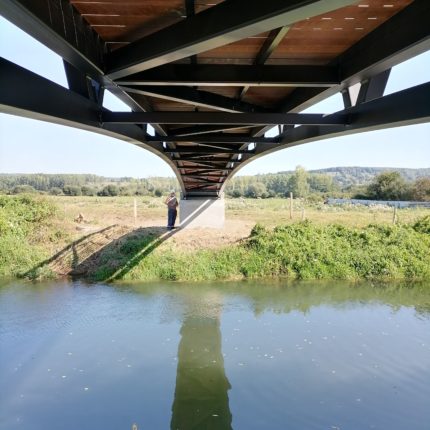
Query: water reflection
201	393
247	355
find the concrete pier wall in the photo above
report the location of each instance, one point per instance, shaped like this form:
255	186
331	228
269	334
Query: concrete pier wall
202	212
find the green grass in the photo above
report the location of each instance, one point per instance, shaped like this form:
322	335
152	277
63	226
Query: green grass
24	231
30	228
300	251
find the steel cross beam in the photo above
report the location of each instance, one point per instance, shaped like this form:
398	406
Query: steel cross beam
204	129
235	75
194	97
225	23
220	118
203	150
212	138
270	44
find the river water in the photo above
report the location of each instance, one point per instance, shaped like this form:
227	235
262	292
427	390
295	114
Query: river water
249	355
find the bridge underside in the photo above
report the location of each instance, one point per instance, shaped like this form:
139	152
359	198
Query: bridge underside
212	77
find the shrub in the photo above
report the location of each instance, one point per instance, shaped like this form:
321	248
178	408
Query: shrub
423	225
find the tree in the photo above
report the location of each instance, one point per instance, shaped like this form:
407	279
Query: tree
19	189
256	190
109	190
56	191
88	191
72	190
387	186
278	184
420	190
321	183
298	183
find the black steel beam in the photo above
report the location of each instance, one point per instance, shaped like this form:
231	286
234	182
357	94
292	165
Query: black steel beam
378	51
270	44
203	150
189	179
58	25
411	106
198	165
200	130
194	186
194	97
209	162
407	107
235	75
219	118
22	91
27	94
205	171
84	85
213	138
190	11
225	23
373	87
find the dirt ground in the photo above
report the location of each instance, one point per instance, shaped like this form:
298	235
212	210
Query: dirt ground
241	215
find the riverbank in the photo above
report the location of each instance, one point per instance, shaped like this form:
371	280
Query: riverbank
37	241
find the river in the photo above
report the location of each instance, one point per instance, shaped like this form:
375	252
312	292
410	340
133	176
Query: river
246	355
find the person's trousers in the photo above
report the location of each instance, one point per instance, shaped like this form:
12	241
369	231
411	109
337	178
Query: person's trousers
171	217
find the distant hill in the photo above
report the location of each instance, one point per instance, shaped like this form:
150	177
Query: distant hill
348	176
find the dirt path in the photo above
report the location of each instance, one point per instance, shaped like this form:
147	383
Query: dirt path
90	243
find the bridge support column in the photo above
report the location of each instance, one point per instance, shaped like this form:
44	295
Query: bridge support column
207	212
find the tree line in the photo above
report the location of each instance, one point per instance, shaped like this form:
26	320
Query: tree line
387	185
85	185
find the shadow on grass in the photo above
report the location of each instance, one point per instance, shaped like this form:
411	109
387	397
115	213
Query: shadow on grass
108	254
121	255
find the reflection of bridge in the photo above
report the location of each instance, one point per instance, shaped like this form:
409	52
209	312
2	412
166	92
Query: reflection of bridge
201	392
213	77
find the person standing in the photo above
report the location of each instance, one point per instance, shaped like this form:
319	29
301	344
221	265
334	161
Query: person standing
172	211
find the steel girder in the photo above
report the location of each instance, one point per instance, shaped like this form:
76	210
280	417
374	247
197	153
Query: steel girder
216	118
190	95
407	107
235	75
27	94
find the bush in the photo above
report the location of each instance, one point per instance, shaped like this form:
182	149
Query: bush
423	225
88	191
72	190
21	220
23	189
56	191
109	190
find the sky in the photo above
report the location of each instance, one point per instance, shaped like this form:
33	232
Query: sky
30	146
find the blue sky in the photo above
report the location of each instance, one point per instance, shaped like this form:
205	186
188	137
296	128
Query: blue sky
29	146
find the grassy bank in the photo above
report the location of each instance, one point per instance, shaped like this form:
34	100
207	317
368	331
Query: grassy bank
26	232
301	251
38	238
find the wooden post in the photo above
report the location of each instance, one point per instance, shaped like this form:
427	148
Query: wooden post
303	213
291	205
135	211
395	215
